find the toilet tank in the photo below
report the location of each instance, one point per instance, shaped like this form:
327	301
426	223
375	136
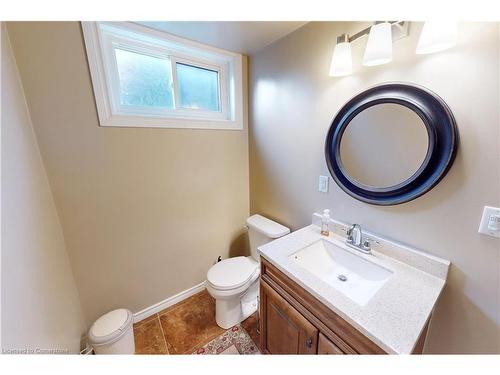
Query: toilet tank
262	230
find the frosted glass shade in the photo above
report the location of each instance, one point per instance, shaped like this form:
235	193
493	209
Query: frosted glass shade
379	47
342	60
437	36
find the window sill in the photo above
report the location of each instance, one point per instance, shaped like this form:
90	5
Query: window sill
170	123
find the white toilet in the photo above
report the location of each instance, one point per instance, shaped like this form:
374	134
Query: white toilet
234	282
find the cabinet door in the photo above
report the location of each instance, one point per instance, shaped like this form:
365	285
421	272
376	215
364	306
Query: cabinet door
325	346
283	329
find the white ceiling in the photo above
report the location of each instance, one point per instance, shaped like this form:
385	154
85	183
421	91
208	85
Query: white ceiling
244	37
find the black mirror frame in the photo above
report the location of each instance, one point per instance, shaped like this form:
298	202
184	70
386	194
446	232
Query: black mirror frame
441	129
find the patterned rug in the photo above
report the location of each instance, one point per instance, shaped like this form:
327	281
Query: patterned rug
234	341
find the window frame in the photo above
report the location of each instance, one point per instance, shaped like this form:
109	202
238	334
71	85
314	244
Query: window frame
101	39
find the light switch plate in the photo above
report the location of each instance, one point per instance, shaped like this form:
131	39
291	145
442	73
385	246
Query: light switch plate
323	184
485	220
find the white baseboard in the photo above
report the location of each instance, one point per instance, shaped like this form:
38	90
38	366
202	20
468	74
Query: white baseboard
157	307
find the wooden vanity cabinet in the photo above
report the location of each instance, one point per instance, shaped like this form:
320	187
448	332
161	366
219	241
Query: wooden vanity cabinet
292	321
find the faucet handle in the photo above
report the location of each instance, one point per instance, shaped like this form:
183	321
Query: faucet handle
368	241
366	245
349	238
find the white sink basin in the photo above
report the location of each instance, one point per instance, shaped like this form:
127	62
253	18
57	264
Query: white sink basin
351	274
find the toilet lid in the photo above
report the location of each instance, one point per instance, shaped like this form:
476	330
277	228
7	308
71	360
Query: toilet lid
232	273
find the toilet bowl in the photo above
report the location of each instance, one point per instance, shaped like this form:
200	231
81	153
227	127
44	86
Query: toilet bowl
234	282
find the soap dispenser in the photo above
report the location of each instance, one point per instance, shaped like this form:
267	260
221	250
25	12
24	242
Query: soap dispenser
324	223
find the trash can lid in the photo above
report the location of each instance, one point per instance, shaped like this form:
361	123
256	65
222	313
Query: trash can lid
110	326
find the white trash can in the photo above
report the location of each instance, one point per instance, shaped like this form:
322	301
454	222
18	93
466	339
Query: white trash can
113	333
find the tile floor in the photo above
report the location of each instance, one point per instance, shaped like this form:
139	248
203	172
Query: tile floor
185	327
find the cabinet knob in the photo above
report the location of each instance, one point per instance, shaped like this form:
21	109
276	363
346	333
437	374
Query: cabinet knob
309	343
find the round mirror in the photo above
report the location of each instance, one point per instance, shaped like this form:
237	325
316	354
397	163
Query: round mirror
384	145
391	143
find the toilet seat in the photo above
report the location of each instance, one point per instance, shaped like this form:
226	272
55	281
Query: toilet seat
232	273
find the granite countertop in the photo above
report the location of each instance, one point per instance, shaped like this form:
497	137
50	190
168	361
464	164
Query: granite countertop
396	315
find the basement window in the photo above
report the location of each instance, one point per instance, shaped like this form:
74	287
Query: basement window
148	78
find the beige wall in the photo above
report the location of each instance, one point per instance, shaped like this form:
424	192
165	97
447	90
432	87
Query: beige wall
145	212
292	104
40	303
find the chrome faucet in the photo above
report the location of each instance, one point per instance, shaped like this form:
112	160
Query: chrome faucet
350	235
357	242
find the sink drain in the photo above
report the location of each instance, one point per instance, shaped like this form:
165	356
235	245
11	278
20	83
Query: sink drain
342	277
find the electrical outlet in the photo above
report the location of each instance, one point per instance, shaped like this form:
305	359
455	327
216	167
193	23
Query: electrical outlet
323	184
490	222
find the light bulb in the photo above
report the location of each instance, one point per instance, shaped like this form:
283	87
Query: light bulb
379	47
342	58
437	36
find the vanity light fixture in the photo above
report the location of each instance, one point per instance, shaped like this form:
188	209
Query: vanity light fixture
437	36
342	58
378	50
